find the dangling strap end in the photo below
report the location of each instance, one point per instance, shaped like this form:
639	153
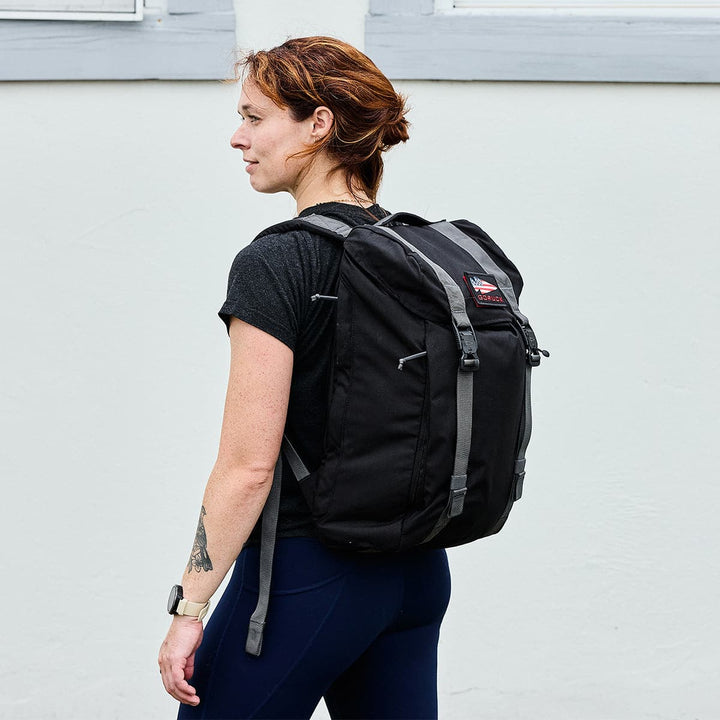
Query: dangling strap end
253	644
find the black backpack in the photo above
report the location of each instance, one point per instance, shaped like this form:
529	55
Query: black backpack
429	409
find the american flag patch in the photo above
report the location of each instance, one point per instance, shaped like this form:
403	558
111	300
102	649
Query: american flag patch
483	289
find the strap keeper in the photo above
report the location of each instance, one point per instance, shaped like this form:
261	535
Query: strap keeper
458	490
253	644
519	478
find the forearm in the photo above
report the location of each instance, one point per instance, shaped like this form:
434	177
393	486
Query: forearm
232	503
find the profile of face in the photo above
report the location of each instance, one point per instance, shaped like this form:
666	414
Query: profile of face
269	138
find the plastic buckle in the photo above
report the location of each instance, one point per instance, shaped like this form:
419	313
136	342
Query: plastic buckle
533	353
533	357
467	342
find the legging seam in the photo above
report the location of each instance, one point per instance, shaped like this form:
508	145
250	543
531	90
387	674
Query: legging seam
302	655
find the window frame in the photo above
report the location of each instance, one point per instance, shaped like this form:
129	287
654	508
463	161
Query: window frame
430	40
134	15
175	40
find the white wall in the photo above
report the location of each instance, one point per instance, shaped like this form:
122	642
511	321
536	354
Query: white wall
122	207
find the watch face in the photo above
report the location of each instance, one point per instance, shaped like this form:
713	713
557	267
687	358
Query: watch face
176	595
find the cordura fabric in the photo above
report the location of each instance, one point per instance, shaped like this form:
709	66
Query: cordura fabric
360	630
429	410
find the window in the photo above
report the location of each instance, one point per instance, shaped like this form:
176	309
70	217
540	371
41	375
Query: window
75	10
560	40
617	6
168	40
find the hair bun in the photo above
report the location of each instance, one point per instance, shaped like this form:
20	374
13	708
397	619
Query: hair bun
396	128
395	132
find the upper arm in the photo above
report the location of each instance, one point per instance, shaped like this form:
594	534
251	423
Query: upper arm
257	398
270	285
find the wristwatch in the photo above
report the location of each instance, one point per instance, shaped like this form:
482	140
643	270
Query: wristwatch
178	605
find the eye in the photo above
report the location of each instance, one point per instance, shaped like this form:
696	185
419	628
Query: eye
252	118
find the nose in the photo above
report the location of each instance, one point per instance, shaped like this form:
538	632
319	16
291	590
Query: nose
238	139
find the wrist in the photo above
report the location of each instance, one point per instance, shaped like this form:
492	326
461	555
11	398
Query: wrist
186	620
179	605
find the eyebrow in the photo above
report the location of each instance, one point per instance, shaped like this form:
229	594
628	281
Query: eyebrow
246	109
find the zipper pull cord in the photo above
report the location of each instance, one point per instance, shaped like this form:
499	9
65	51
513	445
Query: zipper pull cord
402	361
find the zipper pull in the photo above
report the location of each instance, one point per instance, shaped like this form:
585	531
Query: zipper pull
402	361
317	296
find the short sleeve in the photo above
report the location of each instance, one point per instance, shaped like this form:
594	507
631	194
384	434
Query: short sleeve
266	286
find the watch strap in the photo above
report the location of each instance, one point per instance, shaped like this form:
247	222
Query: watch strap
193	609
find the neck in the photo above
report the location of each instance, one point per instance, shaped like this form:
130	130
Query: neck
321	186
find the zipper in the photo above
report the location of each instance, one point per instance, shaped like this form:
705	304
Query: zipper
422	443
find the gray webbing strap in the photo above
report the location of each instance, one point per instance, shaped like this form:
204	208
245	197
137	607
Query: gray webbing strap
488	264
296	464
464	390
464	403
484	260
458	481
253	644
327	223
527	429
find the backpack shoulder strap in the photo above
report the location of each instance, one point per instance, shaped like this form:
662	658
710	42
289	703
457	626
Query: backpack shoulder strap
270	514
271	511
321	224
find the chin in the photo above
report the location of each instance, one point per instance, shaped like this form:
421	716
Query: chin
264	187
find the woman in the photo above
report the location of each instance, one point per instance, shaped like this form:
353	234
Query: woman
360	631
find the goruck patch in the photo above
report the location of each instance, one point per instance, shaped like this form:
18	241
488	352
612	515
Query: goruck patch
483	289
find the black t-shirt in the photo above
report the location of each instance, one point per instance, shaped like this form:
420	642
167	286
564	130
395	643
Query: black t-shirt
270	285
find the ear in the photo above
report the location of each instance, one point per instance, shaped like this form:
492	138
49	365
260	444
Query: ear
322	122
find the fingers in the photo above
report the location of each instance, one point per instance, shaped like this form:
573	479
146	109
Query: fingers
177	659
175	682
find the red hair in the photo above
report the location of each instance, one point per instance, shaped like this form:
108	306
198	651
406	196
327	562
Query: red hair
303	74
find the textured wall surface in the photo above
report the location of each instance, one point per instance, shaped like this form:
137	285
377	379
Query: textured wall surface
121	208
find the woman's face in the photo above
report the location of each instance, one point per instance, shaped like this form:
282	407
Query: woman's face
268	137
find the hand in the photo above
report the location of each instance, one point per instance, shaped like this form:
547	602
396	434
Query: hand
177	658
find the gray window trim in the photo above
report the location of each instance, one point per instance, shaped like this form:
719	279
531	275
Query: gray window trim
410	40
119	10
179	40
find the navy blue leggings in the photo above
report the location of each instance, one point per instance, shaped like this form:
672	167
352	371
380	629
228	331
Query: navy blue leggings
360	630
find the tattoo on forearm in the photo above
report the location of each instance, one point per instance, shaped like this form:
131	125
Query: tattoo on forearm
199	558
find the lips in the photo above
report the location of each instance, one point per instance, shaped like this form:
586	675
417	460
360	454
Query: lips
250	164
